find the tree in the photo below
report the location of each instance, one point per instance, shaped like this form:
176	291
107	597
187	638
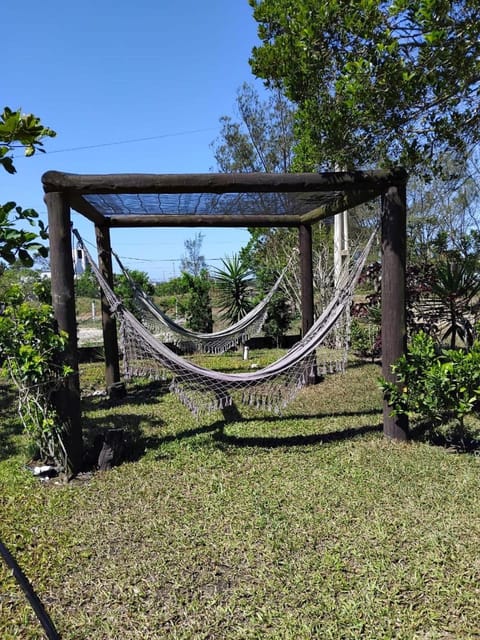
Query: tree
198	306
193	262
86	284
262	140
124	290
279	318
393	82
20	131
234	287
443	213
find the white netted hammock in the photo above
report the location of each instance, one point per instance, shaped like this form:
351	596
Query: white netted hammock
204	390
167	330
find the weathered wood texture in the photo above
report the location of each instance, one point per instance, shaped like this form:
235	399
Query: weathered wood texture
306	278
220	182
394	333
202	220
306	268
113	449
67	399
109	325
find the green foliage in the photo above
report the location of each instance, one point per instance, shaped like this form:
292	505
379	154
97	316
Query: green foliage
364	338
175	286
28	279
124	290
435	386
198	306
263	138
19	244
30	347
279	318
86	284
19	130
26	132
456	282
193	262
394	81
233	284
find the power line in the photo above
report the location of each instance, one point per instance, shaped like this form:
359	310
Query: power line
118	142
152	260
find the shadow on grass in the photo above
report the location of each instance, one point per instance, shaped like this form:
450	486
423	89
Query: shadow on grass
135	441
147	393
299	440
231	414
454	439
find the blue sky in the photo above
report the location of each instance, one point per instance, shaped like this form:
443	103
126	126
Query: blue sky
102	73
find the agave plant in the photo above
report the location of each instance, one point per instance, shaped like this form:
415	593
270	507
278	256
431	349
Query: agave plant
456	283
234	282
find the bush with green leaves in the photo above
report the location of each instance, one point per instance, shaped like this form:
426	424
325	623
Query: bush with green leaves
172	287
30	350
198	305
86	285
279	318
435	387
124	288
365	338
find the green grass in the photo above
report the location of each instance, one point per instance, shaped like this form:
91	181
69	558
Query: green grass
308	525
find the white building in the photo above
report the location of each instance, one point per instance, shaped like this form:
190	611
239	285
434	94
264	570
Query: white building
78	256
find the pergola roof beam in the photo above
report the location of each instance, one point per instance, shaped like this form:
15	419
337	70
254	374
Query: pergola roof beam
219	182
162	220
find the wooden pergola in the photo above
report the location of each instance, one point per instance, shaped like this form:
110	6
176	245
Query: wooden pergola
218	200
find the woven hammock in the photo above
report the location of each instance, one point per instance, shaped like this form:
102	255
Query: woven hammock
166	329
204	390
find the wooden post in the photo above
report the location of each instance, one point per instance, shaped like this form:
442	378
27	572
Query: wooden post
394	332
109	325
67	399
306	269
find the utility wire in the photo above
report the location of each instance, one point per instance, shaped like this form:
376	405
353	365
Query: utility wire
111	144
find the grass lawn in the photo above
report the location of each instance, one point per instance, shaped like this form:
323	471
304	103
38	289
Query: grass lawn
308	525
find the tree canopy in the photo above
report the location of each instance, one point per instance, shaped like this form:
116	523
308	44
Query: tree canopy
375	81
262	139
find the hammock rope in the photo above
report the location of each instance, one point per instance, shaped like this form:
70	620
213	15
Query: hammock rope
204	390
160	324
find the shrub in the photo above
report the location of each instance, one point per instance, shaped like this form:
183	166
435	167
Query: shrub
279	318
437	386
86	284
30	347
198	306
